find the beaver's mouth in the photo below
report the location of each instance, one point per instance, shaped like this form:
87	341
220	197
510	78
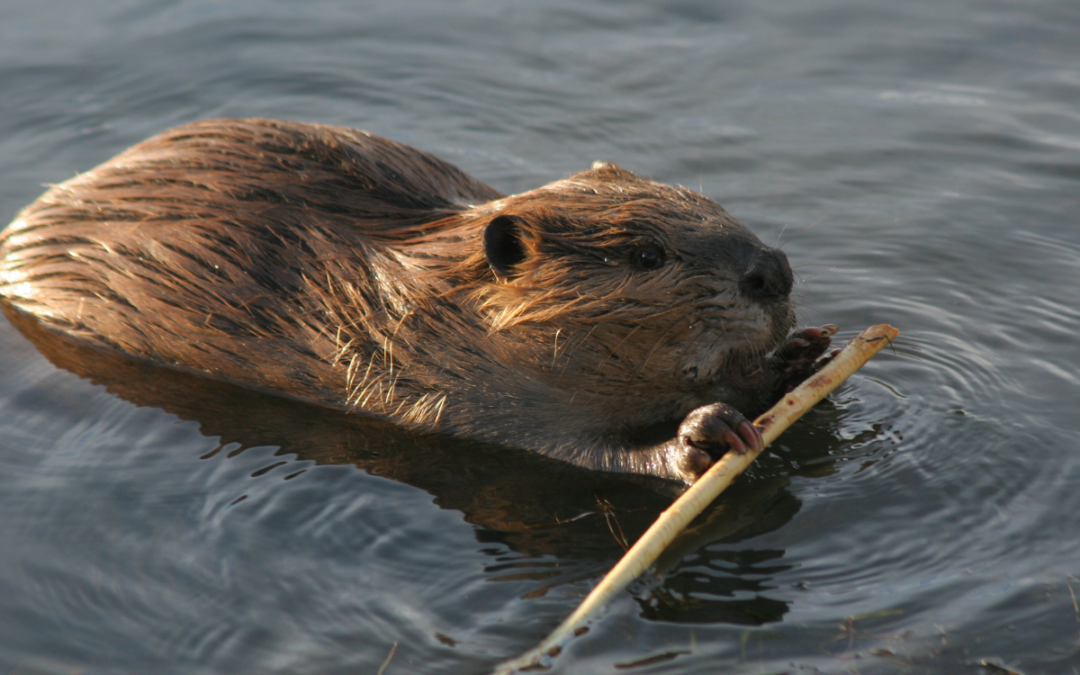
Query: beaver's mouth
734	361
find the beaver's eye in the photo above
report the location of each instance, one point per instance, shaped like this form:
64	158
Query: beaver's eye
647	257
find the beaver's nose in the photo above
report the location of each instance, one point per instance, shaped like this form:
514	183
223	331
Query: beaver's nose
768	277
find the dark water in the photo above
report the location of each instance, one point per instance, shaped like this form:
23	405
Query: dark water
920	162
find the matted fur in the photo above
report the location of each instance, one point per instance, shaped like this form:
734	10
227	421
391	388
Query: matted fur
345	269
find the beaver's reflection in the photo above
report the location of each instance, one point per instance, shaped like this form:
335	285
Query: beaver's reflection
535	505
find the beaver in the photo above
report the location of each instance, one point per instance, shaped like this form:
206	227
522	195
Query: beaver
604	319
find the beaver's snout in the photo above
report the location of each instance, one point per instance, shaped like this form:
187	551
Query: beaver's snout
768	276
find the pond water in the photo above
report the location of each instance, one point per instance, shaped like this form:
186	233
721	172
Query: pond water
918	161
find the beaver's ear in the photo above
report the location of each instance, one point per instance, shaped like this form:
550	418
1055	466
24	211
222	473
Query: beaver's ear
503	247
610	171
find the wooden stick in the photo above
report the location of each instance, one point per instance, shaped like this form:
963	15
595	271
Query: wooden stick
672	521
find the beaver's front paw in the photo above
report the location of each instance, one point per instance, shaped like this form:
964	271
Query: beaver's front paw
802	355
710	431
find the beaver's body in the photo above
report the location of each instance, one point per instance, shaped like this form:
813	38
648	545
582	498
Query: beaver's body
348	270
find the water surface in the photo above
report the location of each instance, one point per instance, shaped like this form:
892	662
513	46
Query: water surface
920	164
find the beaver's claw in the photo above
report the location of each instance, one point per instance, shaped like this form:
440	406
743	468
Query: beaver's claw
803	355
710	431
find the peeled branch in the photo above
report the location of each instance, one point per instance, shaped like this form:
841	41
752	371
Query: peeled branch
672	521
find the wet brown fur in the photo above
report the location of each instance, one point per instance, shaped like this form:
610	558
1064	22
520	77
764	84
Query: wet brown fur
345	269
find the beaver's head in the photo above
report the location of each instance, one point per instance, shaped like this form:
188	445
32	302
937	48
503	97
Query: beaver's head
641	291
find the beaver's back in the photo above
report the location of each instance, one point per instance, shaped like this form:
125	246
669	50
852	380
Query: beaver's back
198	248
